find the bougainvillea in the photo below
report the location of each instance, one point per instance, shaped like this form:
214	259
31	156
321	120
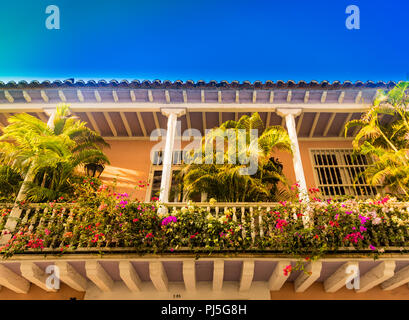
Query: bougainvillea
101	220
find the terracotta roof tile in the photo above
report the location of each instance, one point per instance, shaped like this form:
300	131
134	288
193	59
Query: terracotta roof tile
167	84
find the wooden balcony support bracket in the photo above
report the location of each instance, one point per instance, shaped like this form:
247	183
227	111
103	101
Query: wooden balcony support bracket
158	276
277	278
13	281
129	276
218	274
377	275
189	274
400	278
307	278
339	278
71	277
247	273
36	275
97	274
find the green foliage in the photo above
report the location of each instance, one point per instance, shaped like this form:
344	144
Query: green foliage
225	182
387	144
10	183
50	157
102	220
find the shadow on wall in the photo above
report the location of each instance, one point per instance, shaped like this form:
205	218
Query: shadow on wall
127	180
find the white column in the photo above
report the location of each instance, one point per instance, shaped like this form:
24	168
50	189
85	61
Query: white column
166	181
51	114
290	115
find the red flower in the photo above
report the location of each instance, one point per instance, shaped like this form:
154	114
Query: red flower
287	270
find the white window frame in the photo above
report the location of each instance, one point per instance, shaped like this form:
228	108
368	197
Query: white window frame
158	167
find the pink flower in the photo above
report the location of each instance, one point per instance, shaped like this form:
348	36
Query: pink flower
287	270
353	237
168	220
281	223
372	247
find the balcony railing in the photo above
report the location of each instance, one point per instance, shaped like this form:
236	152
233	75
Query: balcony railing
66	219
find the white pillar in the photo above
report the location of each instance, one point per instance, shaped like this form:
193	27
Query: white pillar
290	115
166	181
51	114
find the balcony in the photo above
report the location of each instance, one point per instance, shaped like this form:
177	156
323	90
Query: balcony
206	250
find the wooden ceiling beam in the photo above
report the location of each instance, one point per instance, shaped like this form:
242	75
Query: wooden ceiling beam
44	96
80	95
110	123
341	97
8	96
141	123
342	131
314	124
324	96
289	96
126	124
26	96
93	122
97	96
115	96
299	123
329	124
62	96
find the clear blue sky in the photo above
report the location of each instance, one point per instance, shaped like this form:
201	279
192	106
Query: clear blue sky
195	39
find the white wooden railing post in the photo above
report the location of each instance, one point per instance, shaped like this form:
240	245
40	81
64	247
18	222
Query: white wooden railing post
166	181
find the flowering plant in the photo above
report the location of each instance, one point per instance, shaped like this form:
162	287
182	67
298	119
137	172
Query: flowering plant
102	219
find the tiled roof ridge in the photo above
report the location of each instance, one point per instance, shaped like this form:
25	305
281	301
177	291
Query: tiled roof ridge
190	84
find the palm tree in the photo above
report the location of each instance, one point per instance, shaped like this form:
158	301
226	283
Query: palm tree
10	183
226	181
388	144
49	157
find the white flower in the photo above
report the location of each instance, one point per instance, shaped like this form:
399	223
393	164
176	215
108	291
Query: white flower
212	201
209	217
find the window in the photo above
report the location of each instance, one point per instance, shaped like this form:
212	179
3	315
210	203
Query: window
338	172
155	177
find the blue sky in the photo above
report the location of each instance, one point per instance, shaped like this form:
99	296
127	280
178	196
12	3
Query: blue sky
209	40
